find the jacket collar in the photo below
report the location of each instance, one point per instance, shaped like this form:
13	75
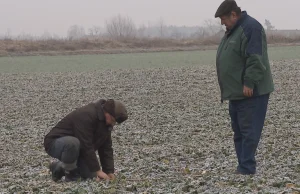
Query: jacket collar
244	15
99	109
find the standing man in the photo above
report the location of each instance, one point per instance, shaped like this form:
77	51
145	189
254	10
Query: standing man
76	138
245	80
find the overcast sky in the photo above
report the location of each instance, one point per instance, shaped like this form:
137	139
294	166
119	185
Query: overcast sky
56	16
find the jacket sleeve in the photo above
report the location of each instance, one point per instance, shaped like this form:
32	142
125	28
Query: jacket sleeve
106	156
85	136
254	47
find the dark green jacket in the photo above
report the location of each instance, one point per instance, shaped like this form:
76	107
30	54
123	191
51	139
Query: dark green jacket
242	59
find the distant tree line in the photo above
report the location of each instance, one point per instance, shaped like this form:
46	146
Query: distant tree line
123	28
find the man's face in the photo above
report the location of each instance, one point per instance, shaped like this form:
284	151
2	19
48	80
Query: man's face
229	20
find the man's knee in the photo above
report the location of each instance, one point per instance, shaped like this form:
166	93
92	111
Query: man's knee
71	143
71	148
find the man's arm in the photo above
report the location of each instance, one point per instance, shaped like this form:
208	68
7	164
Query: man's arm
85	136
106	156
254	46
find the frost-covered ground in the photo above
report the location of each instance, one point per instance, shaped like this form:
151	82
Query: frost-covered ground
177	139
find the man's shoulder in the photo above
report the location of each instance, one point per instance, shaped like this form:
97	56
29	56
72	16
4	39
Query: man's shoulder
83	108
91	111
251	27
83	112
251	23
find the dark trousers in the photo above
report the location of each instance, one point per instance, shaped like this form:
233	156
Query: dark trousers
247	120
67	150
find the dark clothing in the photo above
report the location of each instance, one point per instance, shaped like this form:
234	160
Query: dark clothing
84	170
247	120
242	60
88	125
67	150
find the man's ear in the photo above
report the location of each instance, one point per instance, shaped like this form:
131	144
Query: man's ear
233	14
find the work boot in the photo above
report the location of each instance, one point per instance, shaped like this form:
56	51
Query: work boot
72	175
56	170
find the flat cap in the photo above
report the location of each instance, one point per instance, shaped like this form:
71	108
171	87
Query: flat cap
116	109
225	8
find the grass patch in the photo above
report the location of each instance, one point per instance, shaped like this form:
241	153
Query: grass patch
84	63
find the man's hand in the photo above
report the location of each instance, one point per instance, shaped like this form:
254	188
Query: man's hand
248	91
102	175
111	176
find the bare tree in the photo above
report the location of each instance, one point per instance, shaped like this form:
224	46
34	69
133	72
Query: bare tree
141	31
176	34
269	25
95	31
212	26
121	28
76	32
7	35
56	37
161	25
201	32
46	36
24	36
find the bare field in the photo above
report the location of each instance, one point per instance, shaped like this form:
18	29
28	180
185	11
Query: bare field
177	139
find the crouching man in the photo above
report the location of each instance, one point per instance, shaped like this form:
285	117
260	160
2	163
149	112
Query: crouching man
76	138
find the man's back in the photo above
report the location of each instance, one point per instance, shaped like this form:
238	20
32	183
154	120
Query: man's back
85	119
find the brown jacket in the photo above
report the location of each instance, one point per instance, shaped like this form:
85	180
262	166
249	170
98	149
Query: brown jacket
89	126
